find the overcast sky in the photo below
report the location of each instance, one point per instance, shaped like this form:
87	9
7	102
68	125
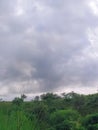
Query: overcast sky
48	46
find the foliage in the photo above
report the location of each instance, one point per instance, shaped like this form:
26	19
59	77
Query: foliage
91	122
50	111
17	101
65	119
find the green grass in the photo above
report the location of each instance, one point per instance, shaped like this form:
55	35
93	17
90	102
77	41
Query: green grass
16	120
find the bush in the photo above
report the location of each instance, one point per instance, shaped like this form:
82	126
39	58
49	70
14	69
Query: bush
65	120
91	122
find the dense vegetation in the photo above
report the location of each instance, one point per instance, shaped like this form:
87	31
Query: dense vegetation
50	111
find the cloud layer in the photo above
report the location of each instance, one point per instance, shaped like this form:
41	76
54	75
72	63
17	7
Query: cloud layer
47	45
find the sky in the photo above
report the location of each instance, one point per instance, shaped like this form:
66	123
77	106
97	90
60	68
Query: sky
48	46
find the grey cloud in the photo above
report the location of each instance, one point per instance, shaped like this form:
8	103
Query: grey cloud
43	48
6	7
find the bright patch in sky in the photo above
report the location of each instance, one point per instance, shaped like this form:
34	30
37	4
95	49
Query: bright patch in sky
94	6
19	9
93	38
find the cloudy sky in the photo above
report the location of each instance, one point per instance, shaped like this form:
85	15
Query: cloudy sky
48	46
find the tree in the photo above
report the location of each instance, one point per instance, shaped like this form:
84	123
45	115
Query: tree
40	111
76	101
23	96
65	120
91	122
49	96
37	98
17	101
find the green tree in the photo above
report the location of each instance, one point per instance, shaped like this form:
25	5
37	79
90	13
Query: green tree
23	96
17	101
40	110
91	122
65	120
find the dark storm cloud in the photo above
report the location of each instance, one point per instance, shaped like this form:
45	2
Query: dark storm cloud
43	45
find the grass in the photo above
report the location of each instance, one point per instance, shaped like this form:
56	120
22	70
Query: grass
14	120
